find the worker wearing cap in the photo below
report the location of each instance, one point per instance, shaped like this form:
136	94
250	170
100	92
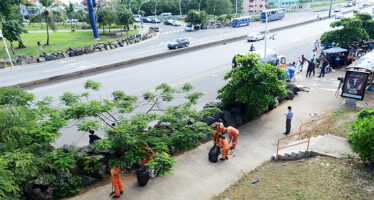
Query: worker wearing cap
218	128
225	147
233	136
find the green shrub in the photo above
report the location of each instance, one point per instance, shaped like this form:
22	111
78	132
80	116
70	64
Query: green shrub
362	136
67	186
62	160
90	164
162	163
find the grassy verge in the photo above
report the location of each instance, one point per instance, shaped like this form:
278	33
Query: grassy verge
315	178
340	121
67	26
59	41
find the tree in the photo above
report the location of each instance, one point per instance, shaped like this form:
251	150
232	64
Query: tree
50	12
125	17
252	83
195	18
27	129
106	16
219	7
362	135
12	31
352	29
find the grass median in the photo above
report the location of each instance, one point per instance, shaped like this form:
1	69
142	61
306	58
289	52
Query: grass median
315	178
59	41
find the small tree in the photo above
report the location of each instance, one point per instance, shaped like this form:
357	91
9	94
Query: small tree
193	17
106	17
12	31
253	83
362	135
125	17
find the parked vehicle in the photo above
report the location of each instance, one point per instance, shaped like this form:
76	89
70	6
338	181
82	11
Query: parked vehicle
255	36
165	15
168	22
179	43
71	21
273	14
176	23
339	15
272	58
349	4
155	21
189	28
241	21
365	5
145	20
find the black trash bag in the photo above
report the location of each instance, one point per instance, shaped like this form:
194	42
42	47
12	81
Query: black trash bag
143	177
214	153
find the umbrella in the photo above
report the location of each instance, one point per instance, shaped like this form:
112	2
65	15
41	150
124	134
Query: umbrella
335	50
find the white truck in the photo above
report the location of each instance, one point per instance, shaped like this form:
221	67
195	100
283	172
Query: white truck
272	58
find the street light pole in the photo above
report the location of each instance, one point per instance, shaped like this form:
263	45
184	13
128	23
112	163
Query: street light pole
236	7
180	8
199	4
6	48
330	9
156	7
266	28
141	22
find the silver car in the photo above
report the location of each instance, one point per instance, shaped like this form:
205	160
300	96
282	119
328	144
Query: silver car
255	36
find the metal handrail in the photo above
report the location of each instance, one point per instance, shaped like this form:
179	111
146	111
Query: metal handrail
303	132
328	125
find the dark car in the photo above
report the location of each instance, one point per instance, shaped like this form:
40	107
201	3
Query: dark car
168	22
179	43
145	20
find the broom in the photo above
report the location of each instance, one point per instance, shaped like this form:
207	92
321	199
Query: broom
111	194
253	182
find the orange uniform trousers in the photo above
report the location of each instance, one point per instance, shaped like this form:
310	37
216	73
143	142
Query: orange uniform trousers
116	181
233	135
225	148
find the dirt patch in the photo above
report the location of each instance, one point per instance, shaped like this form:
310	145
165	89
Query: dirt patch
315	178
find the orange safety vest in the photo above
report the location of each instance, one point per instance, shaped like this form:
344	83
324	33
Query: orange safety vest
114	173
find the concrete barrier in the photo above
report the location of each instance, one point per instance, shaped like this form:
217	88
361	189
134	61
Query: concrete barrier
128	63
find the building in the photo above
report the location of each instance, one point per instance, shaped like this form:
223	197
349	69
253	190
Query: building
253	6
282	3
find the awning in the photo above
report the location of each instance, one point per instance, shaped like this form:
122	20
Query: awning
335	50
365	62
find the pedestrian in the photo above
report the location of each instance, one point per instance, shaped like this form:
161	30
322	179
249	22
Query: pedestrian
302	62
225	147
316	45
323	69
116	180
93	137
218	128
233	136
311	66
289	116
252	48
313	55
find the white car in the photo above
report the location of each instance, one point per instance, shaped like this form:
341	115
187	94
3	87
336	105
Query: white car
339	16
175	23
255	36
188	29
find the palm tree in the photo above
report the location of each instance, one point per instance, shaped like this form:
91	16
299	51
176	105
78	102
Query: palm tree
50	12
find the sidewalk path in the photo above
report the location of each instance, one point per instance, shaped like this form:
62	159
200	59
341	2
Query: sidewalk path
196	178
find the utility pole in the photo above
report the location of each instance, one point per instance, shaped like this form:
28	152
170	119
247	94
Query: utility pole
266	28
6	48
180	8
236	7
199	4
92	19
330	9
156	8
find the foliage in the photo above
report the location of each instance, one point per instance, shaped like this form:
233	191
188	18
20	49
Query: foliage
12	31
219	7
252	83
62	160
90	84
195	18
351	29
124	16
67	186
27	129
362	135
90	164
106	17
87	125
162	163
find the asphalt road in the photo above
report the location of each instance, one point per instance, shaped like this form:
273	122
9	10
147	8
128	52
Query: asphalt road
12	76
202	68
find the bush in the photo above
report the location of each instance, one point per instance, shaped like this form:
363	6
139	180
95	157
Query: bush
67	186
162	163
362	135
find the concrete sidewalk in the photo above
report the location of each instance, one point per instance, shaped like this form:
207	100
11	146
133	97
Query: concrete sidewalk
197	178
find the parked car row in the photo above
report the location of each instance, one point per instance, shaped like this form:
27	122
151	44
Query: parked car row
172	22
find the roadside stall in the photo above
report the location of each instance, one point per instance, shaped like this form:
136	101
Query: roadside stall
359	77
336	56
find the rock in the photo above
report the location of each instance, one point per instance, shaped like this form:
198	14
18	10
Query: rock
39	194
191	121
68	148
42	182
103	49
212	104
32	59
100	45
228	118
86	149
162	126
96	50
103	171
245	118
290	94
50	57
293	88
89	49
41	59
209	120
87	180
72	53
79	51
236	109
238	119
107	47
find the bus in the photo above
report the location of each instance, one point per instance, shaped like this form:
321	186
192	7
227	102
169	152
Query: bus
273	14
236	22
165	15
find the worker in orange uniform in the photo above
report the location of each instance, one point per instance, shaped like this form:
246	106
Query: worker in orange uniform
116	180
218	128
233	136
225	147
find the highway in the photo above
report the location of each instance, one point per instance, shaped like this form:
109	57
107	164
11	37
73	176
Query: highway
203	68
20	74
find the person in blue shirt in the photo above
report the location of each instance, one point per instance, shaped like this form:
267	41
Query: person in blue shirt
289	116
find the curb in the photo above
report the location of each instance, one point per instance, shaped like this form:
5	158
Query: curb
152	57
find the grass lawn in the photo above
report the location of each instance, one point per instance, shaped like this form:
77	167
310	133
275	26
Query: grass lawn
59	41
67	26
314	178
340	122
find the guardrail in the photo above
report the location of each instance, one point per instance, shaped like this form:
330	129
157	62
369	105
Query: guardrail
299	133
313	121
